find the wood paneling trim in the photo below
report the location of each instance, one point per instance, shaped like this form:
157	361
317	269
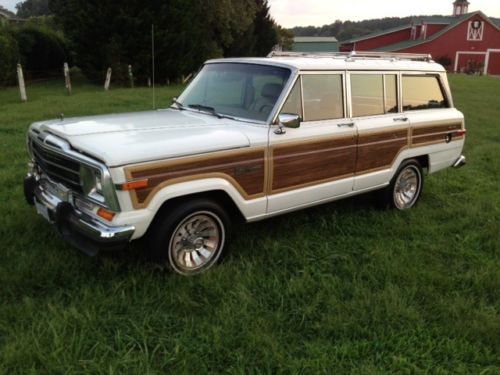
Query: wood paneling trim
256	173
246	170
434	134
316	161
377	151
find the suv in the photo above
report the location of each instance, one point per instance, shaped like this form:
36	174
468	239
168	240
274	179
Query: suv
255	137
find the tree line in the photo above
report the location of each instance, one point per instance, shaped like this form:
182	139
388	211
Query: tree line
96	34
344	30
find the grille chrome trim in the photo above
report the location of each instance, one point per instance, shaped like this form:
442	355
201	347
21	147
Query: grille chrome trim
60	150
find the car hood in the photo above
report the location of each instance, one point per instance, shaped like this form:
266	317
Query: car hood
145	136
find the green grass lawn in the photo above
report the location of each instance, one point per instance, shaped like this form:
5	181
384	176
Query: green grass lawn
342	288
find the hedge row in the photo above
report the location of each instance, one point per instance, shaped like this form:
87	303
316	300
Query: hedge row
40	50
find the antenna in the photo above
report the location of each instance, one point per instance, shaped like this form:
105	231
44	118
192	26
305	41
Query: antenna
153	62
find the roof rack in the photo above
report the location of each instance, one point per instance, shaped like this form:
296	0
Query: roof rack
355	55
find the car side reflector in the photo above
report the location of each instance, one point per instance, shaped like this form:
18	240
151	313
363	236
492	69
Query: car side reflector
134	185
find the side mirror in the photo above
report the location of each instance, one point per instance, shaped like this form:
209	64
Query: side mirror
287	120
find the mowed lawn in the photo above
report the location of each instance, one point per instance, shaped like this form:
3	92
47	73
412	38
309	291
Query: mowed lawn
342	288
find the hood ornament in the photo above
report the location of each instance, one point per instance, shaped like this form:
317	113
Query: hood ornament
61	116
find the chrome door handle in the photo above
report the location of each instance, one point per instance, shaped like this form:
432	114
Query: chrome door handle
347	124
403	119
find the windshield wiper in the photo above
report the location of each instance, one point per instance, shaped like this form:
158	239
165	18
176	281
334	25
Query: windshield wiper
201	107
210	110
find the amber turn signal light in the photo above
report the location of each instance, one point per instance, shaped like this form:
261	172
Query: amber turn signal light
105	214
134	185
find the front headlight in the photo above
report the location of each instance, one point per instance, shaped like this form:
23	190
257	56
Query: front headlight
91	182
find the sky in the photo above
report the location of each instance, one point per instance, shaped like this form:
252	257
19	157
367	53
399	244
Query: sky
289	13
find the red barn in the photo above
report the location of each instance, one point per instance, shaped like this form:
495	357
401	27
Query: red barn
464	42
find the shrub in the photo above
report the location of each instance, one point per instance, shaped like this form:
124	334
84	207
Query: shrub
9	56
42	51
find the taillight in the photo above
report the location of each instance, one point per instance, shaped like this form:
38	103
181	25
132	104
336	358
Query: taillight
460	132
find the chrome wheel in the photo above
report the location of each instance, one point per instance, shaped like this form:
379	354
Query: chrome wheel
407	187
196	242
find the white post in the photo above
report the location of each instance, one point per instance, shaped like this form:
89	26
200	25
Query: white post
131	76
67	78
22	86
108	79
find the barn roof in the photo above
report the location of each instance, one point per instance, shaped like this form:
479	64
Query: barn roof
376	33
410	43
451	21
315	39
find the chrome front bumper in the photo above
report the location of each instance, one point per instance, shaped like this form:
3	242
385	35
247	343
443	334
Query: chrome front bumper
79	229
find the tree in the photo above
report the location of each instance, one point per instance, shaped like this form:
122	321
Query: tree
33	8
118	33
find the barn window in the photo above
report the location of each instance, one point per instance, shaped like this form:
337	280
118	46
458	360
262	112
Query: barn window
422	92
476	30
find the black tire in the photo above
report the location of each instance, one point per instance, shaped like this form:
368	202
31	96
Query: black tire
170	239
401	194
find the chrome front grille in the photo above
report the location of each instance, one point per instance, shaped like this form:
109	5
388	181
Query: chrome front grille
58	167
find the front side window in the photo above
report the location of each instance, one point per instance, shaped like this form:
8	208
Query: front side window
293	103
246	91
422	92
323	98
373	94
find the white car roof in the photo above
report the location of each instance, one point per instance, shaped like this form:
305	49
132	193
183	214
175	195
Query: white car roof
340	62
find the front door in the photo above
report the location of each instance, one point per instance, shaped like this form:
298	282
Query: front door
315	162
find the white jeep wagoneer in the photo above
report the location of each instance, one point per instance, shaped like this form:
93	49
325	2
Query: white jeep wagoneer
254	137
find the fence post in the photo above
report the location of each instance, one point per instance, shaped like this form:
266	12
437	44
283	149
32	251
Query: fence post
131	76
108	79
22	86
67	78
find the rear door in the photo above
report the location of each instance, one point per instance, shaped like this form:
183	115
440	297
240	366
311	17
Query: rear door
382	130
316	161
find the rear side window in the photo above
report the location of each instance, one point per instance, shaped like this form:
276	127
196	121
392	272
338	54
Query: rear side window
373	94
323	97
422	92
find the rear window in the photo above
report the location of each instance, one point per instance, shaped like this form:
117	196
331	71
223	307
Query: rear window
422	92
373	94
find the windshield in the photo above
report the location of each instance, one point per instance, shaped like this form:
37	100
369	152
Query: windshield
246	91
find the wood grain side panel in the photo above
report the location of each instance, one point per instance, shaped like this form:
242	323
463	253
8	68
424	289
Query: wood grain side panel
378	150
244	169
307	163
436	129
434	134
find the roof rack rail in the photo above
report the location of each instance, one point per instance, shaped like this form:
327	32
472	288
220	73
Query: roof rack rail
356	55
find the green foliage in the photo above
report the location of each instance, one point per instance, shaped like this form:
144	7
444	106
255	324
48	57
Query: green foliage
339	289
33	8
9	57
43	51
187	32
285	38
344	30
